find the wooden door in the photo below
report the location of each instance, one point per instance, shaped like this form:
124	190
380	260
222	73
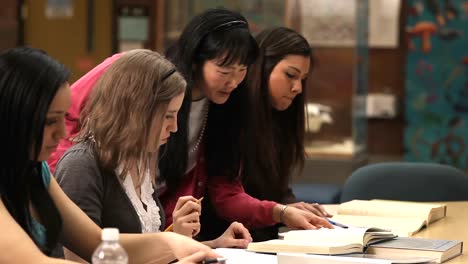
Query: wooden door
78	33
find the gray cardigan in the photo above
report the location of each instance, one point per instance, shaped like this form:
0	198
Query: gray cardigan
98	192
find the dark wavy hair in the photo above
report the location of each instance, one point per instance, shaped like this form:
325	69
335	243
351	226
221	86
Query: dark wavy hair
215	33
274	140
29	80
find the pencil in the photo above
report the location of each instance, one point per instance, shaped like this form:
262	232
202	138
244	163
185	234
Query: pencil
171	226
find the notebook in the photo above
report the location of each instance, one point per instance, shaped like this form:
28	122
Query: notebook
323	241
402	218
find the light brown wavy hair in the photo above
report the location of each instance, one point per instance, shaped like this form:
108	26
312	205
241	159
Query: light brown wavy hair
135	90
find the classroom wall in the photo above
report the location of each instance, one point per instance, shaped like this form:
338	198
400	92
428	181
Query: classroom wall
9	24
387	75
331	83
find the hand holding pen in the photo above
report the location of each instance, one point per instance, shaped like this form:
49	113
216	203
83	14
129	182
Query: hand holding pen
318	210
186	216
296	218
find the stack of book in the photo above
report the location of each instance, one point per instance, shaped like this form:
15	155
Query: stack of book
373	229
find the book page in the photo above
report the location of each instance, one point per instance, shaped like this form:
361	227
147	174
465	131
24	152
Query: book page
387	208
400	226
438	210
325	235
311	247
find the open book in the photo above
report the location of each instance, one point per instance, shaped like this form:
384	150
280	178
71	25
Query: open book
402	218
323	241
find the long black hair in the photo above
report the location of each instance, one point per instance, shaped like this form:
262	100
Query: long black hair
274	140
29	80
215	33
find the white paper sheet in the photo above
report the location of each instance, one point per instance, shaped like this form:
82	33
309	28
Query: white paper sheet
242	256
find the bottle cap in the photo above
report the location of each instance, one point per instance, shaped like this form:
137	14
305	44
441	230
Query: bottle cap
110	234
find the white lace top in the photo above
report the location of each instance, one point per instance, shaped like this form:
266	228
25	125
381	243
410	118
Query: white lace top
149	218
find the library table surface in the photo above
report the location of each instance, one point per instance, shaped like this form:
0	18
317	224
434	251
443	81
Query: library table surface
454	227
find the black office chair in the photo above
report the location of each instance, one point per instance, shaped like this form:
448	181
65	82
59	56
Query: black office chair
406	181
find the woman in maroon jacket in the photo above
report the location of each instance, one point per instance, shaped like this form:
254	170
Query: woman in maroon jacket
213	54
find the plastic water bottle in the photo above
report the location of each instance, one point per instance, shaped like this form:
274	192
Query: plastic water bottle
110	251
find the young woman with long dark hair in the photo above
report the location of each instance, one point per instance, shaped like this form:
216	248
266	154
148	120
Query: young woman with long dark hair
274	137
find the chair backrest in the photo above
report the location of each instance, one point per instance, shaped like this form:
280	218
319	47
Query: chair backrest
317	193
406	181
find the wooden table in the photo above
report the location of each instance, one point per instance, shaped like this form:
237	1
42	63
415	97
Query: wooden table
453	227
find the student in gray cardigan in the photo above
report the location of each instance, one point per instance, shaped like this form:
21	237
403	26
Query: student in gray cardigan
111	172
97	191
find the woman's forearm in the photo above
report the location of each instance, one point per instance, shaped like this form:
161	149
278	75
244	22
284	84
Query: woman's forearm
148	248
161	247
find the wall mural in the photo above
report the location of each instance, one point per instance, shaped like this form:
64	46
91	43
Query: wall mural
436	107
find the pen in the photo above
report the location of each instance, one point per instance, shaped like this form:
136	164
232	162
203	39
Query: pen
171	226
336	223
215	260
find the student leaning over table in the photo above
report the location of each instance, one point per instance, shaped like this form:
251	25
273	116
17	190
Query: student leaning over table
110	172
272	141
203	157
34	212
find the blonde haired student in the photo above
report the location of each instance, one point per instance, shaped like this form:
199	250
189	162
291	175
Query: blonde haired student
111	172
34	212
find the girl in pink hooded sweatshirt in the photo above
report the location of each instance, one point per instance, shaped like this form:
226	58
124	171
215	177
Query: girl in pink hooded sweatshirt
80	91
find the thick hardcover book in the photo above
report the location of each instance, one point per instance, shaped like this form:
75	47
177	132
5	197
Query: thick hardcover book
440	250
402	218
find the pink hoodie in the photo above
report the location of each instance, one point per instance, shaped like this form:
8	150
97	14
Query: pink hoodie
80	91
